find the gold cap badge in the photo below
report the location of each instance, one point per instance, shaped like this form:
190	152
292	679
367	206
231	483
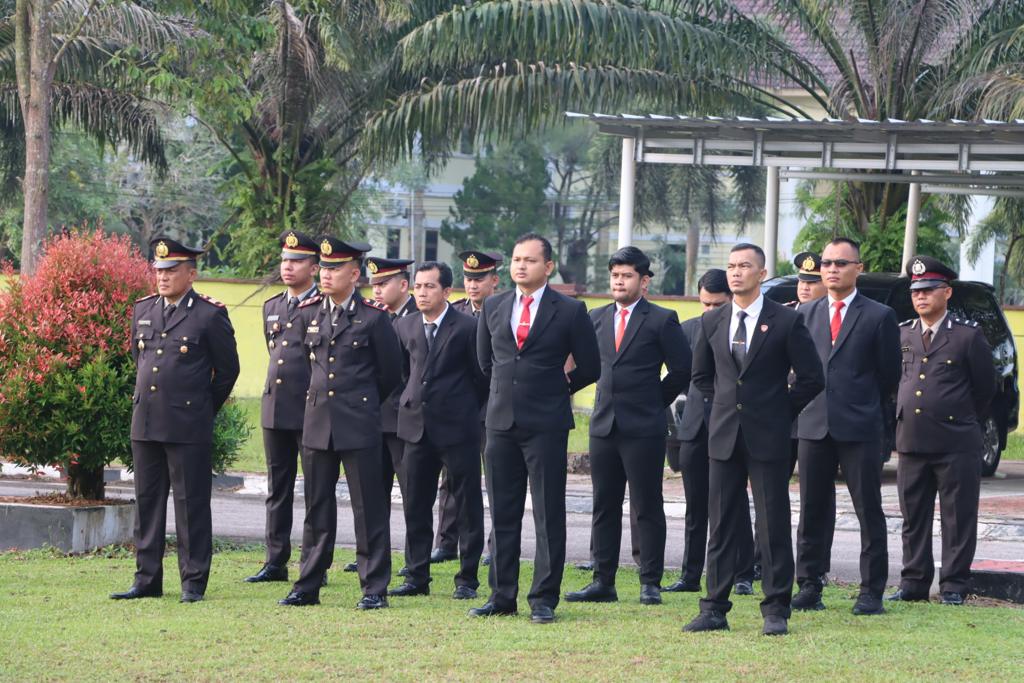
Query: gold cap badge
161	250
291	241
472	261
325	248
808	263
372	266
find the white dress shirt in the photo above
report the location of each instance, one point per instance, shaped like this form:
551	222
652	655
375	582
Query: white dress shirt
618	316
517	308
436	321
846	306
753	312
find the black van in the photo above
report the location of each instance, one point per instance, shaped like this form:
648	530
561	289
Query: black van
971	301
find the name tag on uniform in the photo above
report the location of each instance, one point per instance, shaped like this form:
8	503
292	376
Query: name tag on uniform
313	329
356	322
272	318
145	322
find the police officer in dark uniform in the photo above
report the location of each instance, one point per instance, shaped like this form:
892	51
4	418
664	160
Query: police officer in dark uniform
284	396
355	362
945	392
480	275
808	278
186	365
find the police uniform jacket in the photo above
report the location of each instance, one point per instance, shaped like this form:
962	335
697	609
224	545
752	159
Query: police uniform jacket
352	365
186	368
389	409
284	395
945	392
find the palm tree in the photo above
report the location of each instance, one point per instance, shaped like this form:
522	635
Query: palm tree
75	63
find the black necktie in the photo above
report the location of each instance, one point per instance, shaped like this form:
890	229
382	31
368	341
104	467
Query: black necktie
739	340
431	331
927	339
292	303
334	315
169	311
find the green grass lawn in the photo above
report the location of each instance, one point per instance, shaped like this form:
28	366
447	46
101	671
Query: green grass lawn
58	624
251	458
1014	447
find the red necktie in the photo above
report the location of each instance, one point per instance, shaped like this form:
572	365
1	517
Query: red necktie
523	329
837	319
622	328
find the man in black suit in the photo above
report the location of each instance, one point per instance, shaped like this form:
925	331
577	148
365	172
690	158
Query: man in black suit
742	361
355	362
438	421
186	365
944	398
480	273
284	396
627	427
857	340
713	290
524	338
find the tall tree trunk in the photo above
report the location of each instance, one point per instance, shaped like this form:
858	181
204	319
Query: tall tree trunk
34	72
692	248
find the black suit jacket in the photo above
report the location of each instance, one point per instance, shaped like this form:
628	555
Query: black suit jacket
756	397
389	409
284	395
185	368
528	387
445	387
697	407
631	394
353	365
861	369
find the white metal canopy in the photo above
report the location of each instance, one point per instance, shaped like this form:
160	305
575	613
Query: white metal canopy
955	157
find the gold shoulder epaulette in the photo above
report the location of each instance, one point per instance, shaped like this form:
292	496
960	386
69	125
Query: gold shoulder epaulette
209	300
146	298
371	302
312	301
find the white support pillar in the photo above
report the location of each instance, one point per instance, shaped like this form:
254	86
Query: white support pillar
771	220
627	192
910	230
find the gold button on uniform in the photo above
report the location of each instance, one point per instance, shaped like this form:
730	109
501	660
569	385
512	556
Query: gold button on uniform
921	375
289	326
280	361
152	387
739	406
925	359
284	343
279	380
163	335
917	393
332	342
330	376
330	393
156	369
159	352
331	359
917	411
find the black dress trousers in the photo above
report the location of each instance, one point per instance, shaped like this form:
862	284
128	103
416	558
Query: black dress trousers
283	448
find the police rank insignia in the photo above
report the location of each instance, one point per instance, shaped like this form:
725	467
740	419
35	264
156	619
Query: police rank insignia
325	248
472	261
372	266
808	263
161	250
291	241
917	268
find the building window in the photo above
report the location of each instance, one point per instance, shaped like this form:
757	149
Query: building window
394	242
430	245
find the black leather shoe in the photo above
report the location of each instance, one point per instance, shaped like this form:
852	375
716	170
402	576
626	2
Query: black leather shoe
464	593
774	625
191	596
542	614
404	571
300	599
952	598
372	602
711	620
584	566
905	596
650	594
682	586
488	609
486	560
134	593
595	592
323	581
808	598
743	588
408	589
269	572
350	567
868	604
441	555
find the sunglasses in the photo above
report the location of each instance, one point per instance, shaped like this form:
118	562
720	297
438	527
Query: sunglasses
839	262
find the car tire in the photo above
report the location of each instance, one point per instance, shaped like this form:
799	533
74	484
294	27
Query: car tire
990	453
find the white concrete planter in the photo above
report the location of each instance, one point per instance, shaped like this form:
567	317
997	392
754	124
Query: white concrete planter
69	529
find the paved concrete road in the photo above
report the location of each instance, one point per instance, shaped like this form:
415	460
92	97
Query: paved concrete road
240	515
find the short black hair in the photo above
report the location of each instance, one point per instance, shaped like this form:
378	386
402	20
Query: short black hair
631	256
531	236
444	272
845	240
714	281
743	246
